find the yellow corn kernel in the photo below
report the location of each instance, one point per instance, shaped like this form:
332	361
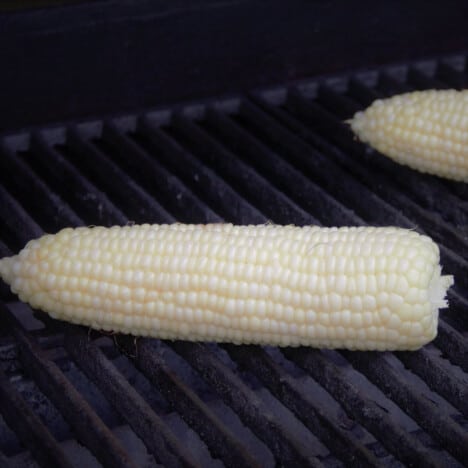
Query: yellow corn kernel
297	285
425	130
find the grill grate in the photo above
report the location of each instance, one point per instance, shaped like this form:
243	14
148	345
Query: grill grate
283	155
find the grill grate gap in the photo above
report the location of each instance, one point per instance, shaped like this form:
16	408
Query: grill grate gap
66	180
313	412
162	184
454	78
284	443
31	430
249	183
431	412
132	407
365	409
218	437
50	210
237	136
214	191
138	205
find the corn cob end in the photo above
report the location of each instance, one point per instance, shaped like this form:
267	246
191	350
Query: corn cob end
6	269
425	130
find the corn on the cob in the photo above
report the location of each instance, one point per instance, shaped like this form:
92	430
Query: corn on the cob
356	288
426	130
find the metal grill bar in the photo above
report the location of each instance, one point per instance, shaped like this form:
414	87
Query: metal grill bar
181	202
20	181
203	179
4	462
319	419
453	344
454	78
85	422
137	204
4	250
14	219
273	203
456	314
389	85
32	432
439	375
133	408
405	446
219	438
418	79
286	447
84	198
289	180
398	387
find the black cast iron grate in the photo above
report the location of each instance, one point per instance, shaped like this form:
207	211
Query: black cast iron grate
69	398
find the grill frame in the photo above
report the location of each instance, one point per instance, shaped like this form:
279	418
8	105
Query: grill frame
254	148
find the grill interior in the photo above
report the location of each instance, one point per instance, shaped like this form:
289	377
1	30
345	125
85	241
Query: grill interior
69	397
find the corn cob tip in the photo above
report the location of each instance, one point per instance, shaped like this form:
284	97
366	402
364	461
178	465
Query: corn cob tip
6	269
425	130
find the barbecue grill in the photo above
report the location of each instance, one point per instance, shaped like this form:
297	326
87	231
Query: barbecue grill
277	152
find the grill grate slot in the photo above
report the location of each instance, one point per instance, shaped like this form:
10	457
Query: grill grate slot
455	314
90	429
331	428
365	410
283	155
163	184
220	439
286	446
6	463
138	205
439	375
454	78
18	226
21	181
32	432
399	387
419	80
289	180
85	199
249	183
453	344
132	407
202	178
317	166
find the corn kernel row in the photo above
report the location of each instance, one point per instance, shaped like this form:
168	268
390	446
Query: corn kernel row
356	288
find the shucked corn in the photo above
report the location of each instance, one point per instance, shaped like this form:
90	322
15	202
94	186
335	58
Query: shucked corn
356	288
426	130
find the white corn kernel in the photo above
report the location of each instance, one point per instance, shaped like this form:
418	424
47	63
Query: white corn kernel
357	287
425	130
